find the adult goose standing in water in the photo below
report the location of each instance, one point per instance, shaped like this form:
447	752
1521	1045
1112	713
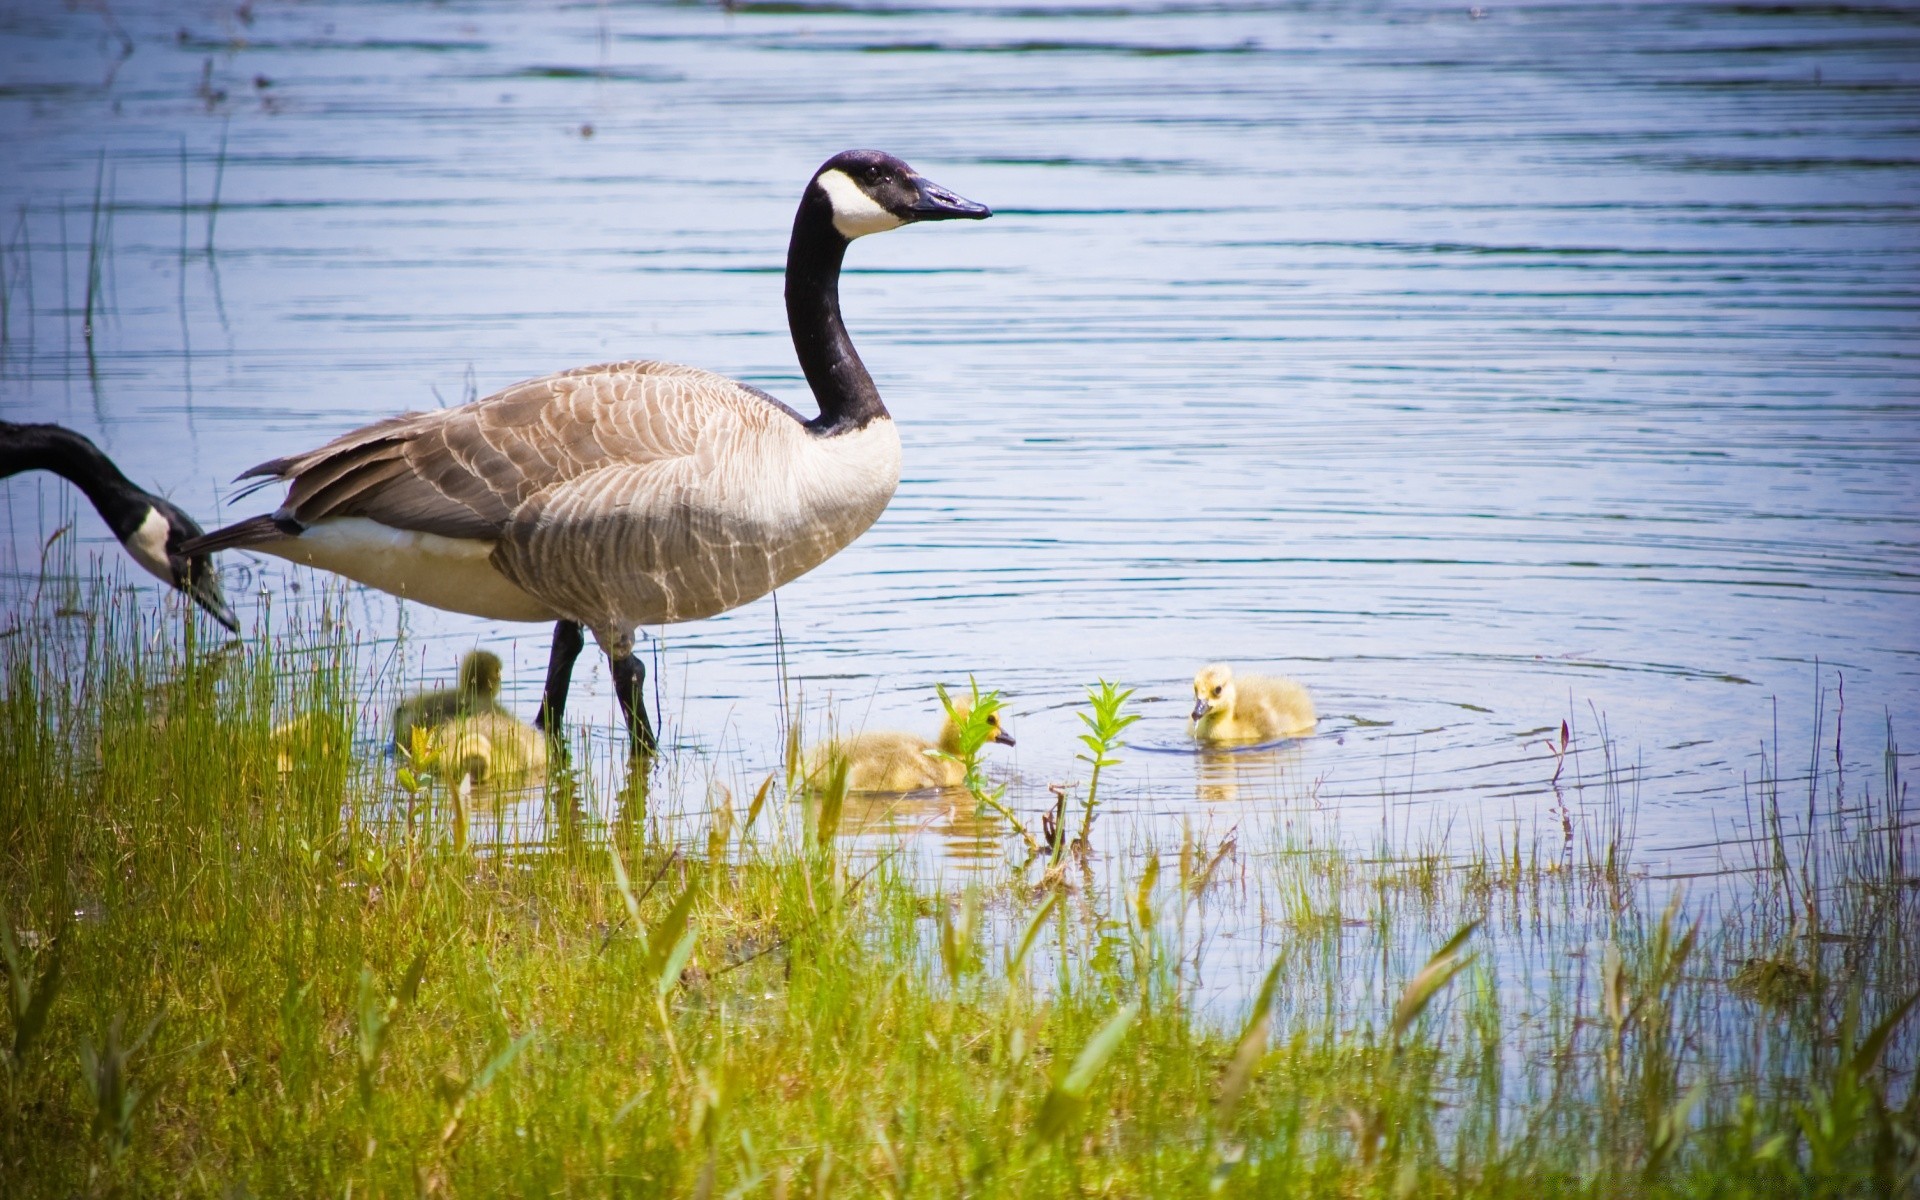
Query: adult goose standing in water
152	528
626	494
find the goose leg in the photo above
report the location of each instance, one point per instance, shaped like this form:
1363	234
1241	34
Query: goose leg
629	685
567	642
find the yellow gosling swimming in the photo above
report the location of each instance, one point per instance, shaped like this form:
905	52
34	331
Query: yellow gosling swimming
1253	708
475	693
888	761
312	738
486	747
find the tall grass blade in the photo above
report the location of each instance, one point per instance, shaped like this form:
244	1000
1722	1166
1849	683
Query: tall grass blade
1067	1099
1249	1050
1446	963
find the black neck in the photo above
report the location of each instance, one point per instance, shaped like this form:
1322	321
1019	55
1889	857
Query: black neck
77	460
848	400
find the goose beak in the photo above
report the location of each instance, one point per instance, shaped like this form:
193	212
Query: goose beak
935	203
204	587
1004	739
1201	708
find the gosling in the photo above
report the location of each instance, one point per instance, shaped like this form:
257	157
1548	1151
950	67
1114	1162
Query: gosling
886	761
475	694
1251	709
485	747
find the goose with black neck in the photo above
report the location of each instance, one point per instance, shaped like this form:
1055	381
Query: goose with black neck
624	494
153	529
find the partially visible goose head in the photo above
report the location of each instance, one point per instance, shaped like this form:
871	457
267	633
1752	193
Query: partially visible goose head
156	545
870	191
153	529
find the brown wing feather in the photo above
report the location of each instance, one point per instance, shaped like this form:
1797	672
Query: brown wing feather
468	469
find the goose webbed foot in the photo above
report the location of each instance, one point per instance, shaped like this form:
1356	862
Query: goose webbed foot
568	639
629	685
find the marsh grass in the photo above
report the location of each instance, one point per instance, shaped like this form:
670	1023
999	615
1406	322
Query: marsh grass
226	977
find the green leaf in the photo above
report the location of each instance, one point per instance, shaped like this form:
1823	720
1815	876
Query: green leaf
664	939
1067	1099
1098	1049
759	802
1446	963
624	886
410	982
1251	1049
1032	934
1868	1054
676	962
500	1062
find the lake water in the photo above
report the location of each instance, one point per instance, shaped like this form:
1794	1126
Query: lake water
1480	368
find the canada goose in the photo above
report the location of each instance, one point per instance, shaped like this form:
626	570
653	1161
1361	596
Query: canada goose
626	494
153	529
478	686
887	761
1253	708
485	747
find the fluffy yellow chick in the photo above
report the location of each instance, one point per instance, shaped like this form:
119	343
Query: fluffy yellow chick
1253	708
887	761
487	747
475	693
312	739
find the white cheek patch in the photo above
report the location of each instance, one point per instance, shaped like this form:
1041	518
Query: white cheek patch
855	214
148	545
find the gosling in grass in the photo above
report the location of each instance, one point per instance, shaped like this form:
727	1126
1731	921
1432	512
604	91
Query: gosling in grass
475	694
485	747
312	738
1253	708
887	761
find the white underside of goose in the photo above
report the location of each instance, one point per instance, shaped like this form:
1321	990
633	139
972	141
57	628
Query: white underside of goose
456	574
628	546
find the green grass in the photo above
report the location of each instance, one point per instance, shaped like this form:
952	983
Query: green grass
229	979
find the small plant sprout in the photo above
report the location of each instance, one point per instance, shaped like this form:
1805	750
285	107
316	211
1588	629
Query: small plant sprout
376	1013
456	1092
1104	725
28	1000
975	732
107	1072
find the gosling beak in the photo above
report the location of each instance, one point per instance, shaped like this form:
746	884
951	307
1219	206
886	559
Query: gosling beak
203	584
935	203
1201	708
1003	738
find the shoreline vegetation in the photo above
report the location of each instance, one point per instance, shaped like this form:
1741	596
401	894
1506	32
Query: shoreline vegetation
238	966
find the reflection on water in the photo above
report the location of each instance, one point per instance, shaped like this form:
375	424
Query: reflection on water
966	834
1230	776
1482	369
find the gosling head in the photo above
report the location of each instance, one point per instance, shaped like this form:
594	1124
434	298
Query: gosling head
1212	690
961	710
867	191
480	675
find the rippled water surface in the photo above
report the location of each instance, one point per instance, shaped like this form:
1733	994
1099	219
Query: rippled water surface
1480	368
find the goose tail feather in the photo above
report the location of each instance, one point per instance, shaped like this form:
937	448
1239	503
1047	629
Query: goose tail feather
242	535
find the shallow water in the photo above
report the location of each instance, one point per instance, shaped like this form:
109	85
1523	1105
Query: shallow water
1480	369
